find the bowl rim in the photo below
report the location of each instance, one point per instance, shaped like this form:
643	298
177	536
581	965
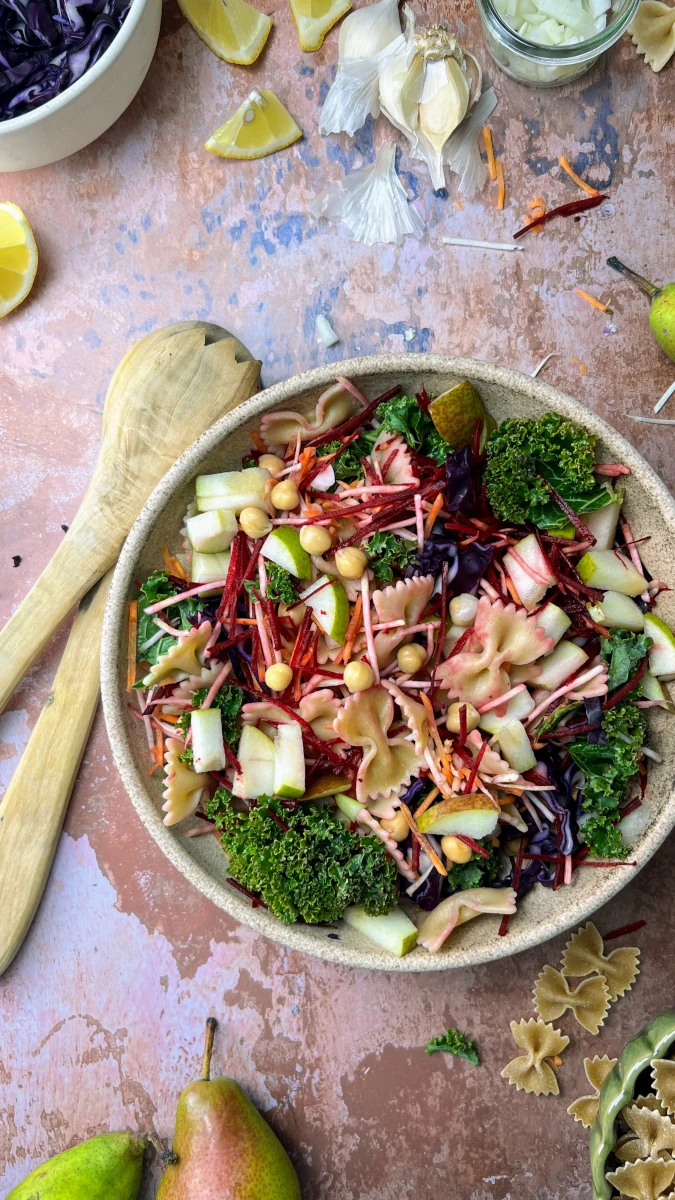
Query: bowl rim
127	30
114	700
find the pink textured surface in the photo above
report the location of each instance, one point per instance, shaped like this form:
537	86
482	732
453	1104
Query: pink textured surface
102	1012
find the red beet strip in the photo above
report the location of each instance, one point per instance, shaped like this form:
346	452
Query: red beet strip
607	937
474	770
517	870
462	724
310	736
468	841
628	687
569	512
231	757
245	892
563	210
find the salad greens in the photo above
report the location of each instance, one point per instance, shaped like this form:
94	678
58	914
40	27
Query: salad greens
280	586
386	550
348	466
312	869
623	651
159	587
478	871
609	768
403	415
454	1042
520	451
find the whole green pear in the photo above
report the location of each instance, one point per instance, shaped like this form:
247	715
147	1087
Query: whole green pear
662	310
104	1168
225	1149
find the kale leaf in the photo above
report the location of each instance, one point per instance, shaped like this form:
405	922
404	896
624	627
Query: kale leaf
477	872
348	465
279	585
521	450
229	699
159	587
609	769
603	838
385	551
454	1042
403	415
623	651
313	870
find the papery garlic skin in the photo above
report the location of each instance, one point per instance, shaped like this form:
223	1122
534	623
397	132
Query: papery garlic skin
372	203
368	30
401	81
462	150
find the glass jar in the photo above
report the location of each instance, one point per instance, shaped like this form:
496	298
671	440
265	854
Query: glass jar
549	66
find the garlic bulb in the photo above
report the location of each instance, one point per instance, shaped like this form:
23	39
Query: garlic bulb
365	40
372	203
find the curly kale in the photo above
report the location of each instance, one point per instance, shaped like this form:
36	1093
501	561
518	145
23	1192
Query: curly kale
313	869
609	769
348	465
280	586
521	451
229	699
386	551
158	586
454	1042
477	872
403	415
623	651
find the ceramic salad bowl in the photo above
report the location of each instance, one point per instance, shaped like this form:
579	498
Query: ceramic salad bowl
542	913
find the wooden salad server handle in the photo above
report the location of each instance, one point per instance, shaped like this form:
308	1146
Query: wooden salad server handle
168	389
35	803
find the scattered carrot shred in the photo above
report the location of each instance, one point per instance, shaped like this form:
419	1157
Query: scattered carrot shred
426	803
352	631
592	301
583	369
131	647
489	149
258	442
585	187
501	194
459	204
172	564
432	514
511	588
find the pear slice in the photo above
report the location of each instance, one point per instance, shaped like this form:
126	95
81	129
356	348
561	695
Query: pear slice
282	546
232	490
207	740
516	747
393	931
607	569
256	759
330	606
327	785
209	568
289	762
554	621
211	532
456	411
473	816
662	652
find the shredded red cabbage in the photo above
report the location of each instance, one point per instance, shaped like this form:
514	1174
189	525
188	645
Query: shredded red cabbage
45	45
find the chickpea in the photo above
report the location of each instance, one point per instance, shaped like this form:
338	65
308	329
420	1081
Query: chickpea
411	657
463	609
350	562
454	850
295	612
285	495
396	827
315	539
254	522
272	463
452	720
278	676
358	676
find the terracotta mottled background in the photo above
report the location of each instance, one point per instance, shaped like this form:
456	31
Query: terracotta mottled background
101	1014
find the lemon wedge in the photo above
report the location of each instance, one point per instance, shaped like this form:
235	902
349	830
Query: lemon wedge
233	29
313	19
260	126
18	257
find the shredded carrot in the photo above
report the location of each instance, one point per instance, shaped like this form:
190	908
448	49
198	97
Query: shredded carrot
131	646
432	514
489	149
512	590
501	194
585	187
258	443
157	752
170	718
427	802
459	204
172	564
592	301
352	631
422	839
583	369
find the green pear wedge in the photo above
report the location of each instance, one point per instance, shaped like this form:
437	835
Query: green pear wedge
104	1168
662	310
225	1149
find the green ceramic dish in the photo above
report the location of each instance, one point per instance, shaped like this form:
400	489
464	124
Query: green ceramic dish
619	1087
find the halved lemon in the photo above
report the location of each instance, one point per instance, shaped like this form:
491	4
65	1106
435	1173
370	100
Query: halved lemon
260	126
233	29
18	257
313	19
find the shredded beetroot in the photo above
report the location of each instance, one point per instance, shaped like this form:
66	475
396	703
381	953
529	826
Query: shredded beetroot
233	641
310	736
231	757
462	724
468	787
563	210
460	643
275	817
634	804
607	937
569	512
475	846
517	870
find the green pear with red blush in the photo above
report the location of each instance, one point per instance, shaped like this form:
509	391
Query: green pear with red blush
662	310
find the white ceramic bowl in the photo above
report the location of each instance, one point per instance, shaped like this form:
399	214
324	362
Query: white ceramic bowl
85	110
543	913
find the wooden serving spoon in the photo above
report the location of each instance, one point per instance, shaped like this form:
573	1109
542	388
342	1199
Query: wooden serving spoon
167	391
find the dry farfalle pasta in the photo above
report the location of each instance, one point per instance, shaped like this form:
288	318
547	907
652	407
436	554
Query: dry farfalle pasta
653	32
589	1001
663	1074
651	1135
584	955
645	1180
530	1072
585	1109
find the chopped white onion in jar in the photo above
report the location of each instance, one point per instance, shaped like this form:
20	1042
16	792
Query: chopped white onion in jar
555	22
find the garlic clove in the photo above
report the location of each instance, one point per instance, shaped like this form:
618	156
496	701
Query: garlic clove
442	113
368	30
401	79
